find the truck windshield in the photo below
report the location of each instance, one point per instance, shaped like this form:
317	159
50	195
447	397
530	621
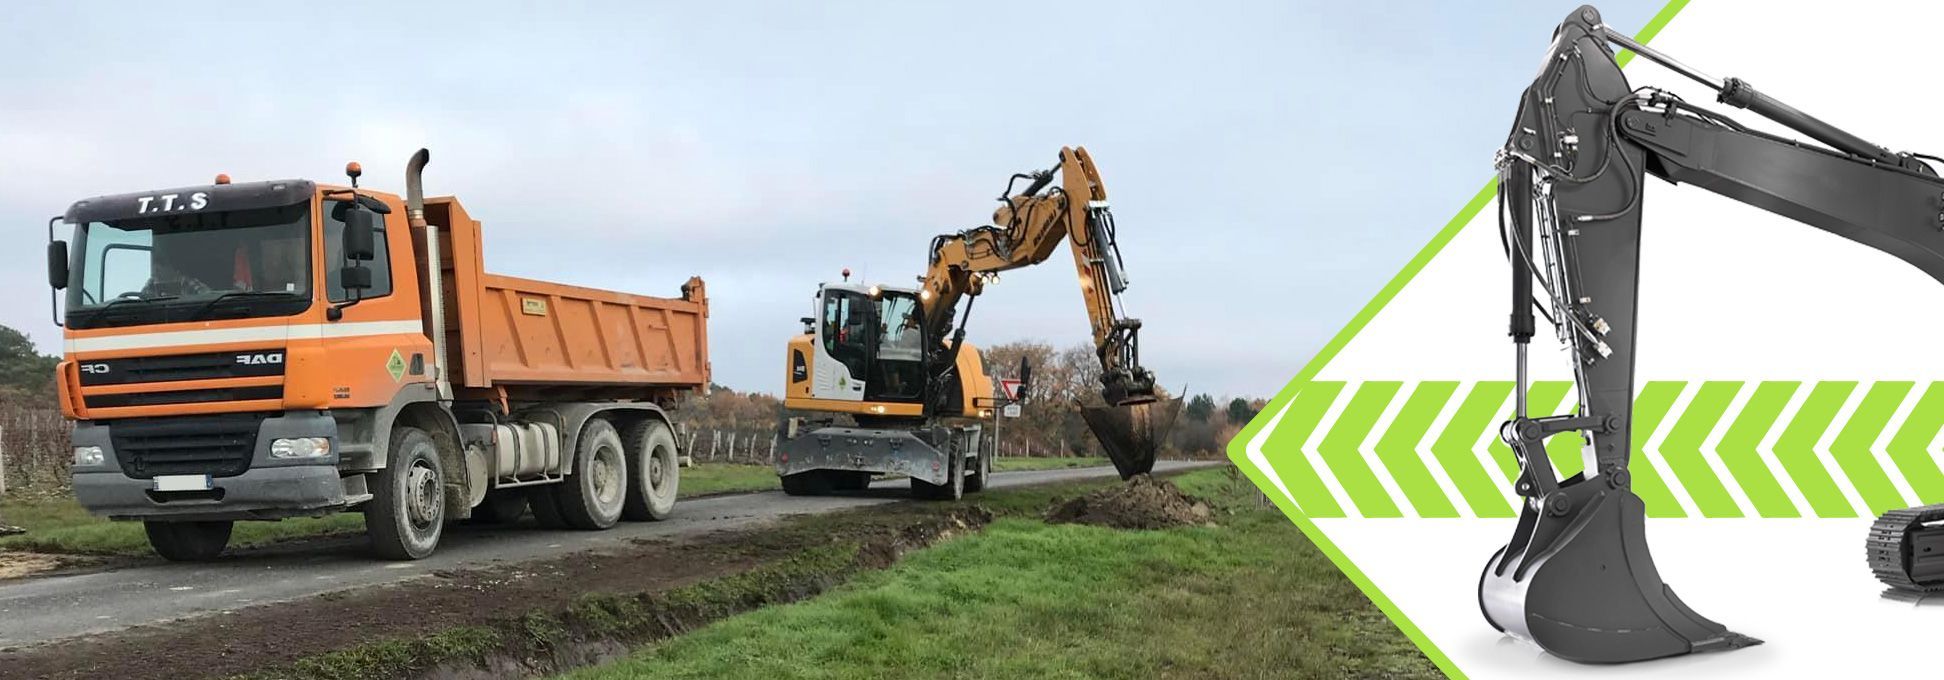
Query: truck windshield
216	265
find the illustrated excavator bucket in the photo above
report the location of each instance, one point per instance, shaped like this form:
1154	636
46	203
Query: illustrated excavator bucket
1578	581
1132	432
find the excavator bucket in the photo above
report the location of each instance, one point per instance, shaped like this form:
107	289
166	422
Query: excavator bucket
1577	580
1132	432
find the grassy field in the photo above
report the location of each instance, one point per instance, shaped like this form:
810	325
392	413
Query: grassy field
1247	597
1015	463
59	525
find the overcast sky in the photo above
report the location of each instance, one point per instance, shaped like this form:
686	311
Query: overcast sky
1271	164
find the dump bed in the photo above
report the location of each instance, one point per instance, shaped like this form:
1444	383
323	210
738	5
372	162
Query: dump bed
538	340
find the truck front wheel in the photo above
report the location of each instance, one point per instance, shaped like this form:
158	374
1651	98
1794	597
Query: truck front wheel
656	473
406	513
188	541
597	486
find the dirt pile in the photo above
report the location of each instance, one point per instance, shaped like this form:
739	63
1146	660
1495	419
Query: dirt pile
1142	503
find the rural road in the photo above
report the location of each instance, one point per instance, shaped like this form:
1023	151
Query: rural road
39	610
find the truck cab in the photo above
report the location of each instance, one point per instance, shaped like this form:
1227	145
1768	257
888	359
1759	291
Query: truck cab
272	349
210	337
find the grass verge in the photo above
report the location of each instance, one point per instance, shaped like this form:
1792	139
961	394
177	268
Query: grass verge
1017	464
1247	597
708	479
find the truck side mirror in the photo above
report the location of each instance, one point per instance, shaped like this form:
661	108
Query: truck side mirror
57	264
359	225
355	277
1025	377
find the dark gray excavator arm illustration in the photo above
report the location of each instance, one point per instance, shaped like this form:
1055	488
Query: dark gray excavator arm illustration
1577	578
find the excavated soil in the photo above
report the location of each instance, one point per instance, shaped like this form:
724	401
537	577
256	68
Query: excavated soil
1142	503
18	564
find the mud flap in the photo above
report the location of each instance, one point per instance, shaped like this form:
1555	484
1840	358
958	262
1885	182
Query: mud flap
1577	580
1132	433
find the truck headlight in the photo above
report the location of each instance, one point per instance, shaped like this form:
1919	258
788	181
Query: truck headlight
88	456
300	447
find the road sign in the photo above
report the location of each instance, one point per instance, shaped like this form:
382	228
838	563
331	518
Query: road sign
1011	410
1012	389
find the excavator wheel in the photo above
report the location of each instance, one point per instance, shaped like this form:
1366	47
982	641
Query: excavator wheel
1906	549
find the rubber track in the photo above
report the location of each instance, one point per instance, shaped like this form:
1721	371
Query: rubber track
1889	547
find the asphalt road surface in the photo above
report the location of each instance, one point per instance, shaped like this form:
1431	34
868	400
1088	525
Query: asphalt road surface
38	610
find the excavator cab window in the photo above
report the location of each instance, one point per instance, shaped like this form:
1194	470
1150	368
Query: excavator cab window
846	329
898	373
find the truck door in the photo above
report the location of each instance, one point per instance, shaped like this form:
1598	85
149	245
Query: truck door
844	333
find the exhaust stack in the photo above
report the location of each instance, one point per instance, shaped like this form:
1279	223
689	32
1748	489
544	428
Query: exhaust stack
434	271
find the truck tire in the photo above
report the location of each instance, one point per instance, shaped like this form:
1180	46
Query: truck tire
188	541
502	506
953	489
851	480
406	513
545	503
597	485
981	470
812	483
656	472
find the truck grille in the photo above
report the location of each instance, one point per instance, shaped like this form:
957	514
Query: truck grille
183	396
182	367
218	445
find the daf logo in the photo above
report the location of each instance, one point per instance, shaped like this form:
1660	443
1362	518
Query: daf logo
253	359
94	369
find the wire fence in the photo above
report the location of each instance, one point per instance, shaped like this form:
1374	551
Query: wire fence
34	454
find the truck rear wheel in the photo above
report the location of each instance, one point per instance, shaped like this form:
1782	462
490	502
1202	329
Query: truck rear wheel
406	513
597	486
851	480
812	483
188	541
657	474
545	502
502	506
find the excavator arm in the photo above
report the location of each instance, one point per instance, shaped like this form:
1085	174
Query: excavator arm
1577	577
1066	203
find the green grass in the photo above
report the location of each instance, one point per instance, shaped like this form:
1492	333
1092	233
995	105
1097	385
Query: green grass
1018	463
1246	598
60	525
713	478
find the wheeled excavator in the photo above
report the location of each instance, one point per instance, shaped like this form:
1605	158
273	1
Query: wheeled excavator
1576	578
882	380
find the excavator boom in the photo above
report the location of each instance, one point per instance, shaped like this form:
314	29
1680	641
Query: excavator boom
1577	578
1066	203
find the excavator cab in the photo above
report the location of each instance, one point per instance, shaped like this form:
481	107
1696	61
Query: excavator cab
867	343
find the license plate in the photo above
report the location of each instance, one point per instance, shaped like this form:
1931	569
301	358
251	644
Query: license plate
182	483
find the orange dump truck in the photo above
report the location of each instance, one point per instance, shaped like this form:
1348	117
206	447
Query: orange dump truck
264	350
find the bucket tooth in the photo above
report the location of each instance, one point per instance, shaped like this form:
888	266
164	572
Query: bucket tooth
1132	433
1577	580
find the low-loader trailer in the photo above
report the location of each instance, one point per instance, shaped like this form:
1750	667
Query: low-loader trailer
265	350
